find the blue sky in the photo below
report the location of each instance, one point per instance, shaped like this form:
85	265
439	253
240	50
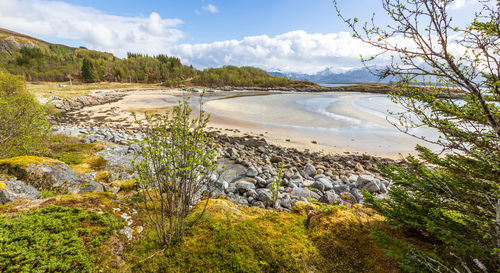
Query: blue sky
288	35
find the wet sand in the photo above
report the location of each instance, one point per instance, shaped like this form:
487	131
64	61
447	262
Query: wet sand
342	129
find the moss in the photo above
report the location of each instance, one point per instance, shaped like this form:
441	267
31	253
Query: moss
23	161
228	239
54	239
103	177
300	207
125	186
342	235
231	240
2	186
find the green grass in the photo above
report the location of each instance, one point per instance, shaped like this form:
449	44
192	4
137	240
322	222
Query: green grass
53	239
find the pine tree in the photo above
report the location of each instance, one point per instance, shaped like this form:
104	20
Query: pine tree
450	201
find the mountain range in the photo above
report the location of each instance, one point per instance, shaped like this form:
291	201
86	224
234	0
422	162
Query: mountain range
328	75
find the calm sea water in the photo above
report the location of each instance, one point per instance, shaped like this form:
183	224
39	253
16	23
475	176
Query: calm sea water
356	121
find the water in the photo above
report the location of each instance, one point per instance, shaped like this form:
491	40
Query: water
355	121
336	84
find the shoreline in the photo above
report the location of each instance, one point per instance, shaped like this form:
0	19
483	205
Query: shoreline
116	115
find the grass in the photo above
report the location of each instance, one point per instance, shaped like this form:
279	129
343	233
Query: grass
47	89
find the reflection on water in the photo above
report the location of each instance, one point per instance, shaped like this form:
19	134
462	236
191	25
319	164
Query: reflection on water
357	121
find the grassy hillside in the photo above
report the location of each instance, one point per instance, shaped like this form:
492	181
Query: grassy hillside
38	60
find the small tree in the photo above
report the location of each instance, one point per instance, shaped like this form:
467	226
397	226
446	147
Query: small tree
179	161
451	200
23	123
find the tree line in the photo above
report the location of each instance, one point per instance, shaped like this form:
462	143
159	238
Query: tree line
59	63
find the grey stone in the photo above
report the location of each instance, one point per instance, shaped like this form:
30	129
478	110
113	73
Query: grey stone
364	179
15	189
357	193
265	196
304	193
307	183
221	184
340	188
296	179
231	189
243	187
261	182
371	187
286	201
329	197
353	178
323	184
127	231
310	170
252	172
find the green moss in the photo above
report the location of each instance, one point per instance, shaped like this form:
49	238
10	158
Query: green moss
48	194
53	239
71	159
126	185
23	161
228	239
2	186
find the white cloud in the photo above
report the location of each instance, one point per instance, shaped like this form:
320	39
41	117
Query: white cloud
296	51
117	34
211	8
458	4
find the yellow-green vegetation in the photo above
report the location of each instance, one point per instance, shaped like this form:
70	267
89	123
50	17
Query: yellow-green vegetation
2	186
23	161
227	239
47	89
125	186
244	76
23	123
69	150
54	239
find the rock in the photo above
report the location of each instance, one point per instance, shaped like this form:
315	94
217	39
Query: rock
307	183
231	189
304	193
340	188
383	189
286	201
353	178
262	183
252	172
349	198
310	170
359	167
323	184
12	189
265	196
330	197
119	161
243	187
371	187
47	174
221	184
357	193
296	179
364	179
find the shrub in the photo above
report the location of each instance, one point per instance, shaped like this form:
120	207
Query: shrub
23	123
53	239
179	159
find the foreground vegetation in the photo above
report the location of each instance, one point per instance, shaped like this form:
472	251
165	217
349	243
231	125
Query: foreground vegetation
451	199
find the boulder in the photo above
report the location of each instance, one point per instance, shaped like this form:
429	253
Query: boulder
12	189
47	174
243	187
323	184
304	193
371	187
330	197
310	170
252	172
364	179
265	196
119	161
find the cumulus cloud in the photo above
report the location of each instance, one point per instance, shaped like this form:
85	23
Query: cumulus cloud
211	8
296	51
117	34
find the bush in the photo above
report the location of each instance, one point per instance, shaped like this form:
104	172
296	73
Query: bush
53	239
23	123
179	159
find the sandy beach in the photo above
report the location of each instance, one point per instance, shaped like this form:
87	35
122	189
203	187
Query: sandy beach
271	117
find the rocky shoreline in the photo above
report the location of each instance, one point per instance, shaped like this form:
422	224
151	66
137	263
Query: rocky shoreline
252	165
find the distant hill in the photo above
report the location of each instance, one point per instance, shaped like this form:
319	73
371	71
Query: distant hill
38	60
361	75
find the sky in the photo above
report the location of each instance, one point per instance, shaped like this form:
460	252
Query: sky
302	36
